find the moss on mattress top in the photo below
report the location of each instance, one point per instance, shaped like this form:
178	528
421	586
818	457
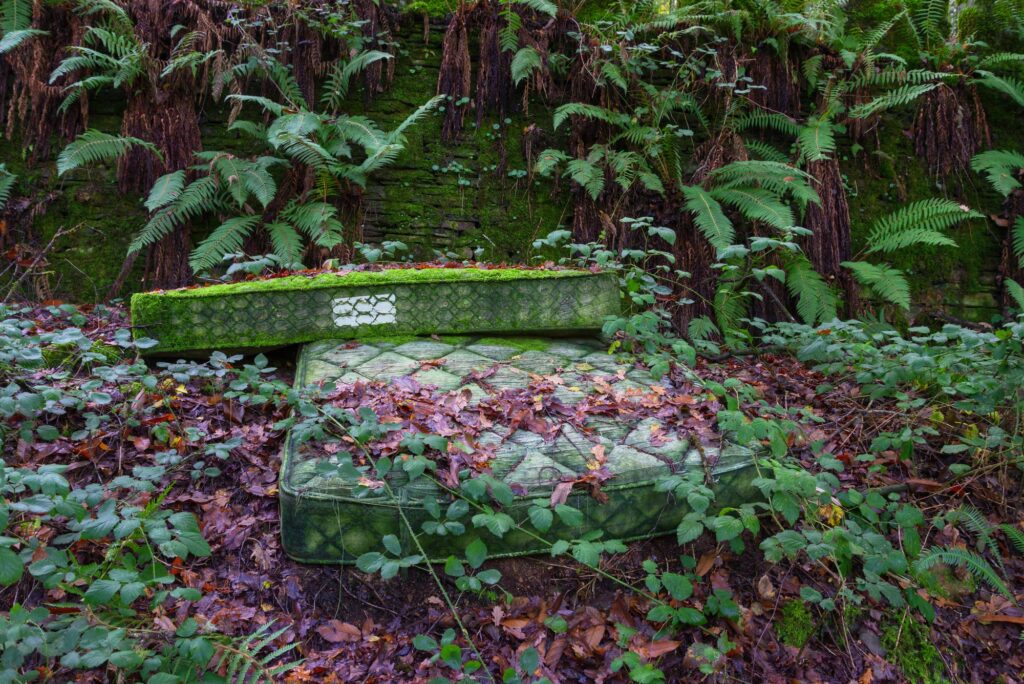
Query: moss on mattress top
304	307
391	276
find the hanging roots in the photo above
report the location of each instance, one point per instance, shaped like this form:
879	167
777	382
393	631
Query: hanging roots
29	104
782	87
453	80
830	222
494	92
377	28
949	128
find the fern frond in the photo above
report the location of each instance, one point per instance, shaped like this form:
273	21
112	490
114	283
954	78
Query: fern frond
286	241
95	146
709	217
894	98
242	662
13	39
15	15
1017	239
7	180
757	205
1001	168
816	139
1015	535
766	152
589	111
1003	84
227	238
337	84
760	118
542	6
873	37
589	176
815	300
1016	292
889	284
918	223
315	219
165	190
1000	59
526	61
198	197
962	558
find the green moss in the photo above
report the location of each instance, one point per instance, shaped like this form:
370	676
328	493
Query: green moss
431	8
399	340
55	355
394	276
908	645
520	343
796	625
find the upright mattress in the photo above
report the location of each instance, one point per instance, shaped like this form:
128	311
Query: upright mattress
399	301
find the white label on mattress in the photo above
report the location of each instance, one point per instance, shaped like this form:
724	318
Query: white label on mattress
363	310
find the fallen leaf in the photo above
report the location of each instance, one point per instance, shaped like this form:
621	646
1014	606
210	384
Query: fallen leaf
337	631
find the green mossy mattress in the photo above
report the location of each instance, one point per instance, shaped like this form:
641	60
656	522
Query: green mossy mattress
403	301
541	415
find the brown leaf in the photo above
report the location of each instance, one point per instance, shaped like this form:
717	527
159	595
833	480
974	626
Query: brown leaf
656	649
560	494
995	617
337	631
705	563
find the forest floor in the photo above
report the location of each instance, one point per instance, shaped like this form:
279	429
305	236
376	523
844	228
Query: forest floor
351	626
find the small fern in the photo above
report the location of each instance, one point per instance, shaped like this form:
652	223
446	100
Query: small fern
962	558
246	660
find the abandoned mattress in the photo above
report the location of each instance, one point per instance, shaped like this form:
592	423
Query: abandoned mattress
548	417
272	312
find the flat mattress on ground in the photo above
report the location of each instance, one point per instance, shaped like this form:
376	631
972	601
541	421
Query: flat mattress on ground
300	308
553	418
